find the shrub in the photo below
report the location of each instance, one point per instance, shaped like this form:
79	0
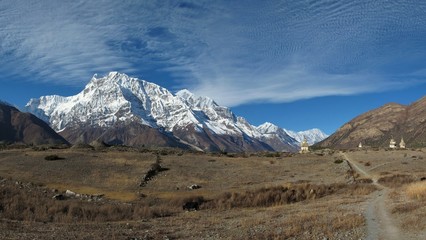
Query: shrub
266	197
40	148
164	152
396	180
52	157
407	207
338	161
272	154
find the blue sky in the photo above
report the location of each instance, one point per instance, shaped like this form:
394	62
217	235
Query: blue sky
298	64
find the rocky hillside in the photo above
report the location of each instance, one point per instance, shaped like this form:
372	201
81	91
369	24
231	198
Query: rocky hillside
375	128
18	127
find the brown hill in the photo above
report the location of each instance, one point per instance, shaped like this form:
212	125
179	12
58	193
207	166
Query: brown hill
18	127
375	128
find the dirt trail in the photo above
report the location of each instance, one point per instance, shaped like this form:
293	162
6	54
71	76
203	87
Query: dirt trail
380	224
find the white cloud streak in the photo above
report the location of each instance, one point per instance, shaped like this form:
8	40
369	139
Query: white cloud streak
273	51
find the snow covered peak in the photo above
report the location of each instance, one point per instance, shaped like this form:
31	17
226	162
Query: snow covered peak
267	127
117	97
113	98
112	78
207	106
185	94
194	101
114	73
312	136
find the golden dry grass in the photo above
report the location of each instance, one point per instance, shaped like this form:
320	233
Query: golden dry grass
320	221
416	190
410	210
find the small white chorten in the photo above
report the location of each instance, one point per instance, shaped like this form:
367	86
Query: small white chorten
392	144
402	143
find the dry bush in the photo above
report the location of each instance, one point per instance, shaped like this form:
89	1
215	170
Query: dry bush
52	157
180	201
272	154
413	213
273	196
396	180
364	180
360	189
395	194
338	161
415	221
26	204
311	225
417	190
407	207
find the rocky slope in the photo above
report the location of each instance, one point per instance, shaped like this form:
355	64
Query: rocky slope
18	127
139	108
375	128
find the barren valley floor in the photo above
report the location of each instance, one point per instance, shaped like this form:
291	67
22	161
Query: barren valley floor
363	194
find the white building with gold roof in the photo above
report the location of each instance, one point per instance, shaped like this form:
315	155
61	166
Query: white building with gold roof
304	146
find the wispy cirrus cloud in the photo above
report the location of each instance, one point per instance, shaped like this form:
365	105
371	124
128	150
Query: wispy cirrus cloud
51	42
274	51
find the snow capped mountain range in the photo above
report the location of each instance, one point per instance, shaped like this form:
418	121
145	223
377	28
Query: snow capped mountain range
312	136
118	100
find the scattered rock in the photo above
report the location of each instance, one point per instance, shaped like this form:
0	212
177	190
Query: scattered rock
59	197
69	193
194	186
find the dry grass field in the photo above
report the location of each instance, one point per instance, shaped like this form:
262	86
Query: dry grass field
240	196
402	173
